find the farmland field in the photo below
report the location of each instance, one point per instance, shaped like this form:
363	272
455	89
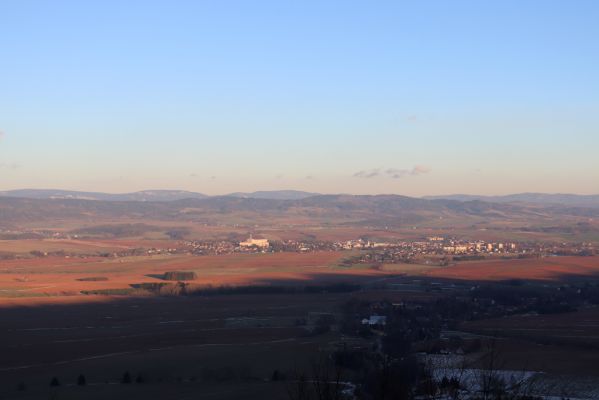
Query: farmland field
68	276
57	276
556	343
95	298
547	268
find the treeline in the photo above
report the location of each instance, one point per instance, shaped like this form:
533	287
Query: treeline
271	289
180	276
119	230
266	289
185	289
130	230
93	279
20	236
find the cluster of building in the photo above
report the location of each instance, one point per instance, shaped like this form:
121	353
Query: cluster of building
459	247
441	251
436	248
252	245
217	247
212	247
433	245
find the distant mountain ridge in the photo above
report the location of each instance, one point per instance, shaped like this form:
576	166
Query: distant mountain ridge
573	200
364	210
275	194
150	195
145	195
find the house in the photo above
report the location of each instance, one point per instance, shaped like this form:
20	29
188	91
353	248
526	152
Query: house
375	320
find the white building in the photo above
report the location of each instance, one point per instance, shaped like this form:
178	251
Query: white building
251	242
375	320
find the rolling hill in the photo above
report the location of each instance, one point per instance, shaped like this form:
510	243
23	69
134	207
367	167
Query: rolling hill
574	200
379	210
145	195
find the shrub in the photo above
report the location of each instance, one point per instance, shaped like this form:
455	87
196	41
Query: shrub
180	276
126	379
277	376
110	292
93	279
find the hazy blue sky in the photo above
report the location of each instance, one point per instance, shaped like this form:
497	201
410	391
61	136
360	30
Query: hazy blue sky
409	97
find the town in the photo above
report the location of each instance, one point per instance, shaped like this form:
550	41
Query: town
439	250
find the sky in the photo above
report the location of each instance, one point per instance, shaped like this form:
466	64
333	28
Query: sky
407	97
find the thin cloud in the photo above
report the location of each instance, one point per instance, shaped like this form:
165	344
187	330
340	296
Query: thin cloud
394	173
368	173
420	169
196	175
11	166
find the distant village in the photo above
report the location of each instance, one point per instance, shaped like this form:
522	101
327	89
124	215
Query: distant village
432	249
399	251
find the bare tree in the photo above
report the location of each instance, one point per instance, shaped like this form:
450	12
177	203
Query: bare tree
324	382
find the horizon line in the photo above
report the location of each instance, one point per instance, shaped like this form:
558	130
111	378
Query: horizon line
298	191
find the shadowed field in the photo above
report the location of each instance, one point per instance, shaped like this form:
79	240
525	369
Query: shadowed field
198	345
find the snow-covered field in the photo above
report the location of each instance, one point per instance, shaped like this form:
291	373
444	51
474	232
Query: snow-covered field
521	382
